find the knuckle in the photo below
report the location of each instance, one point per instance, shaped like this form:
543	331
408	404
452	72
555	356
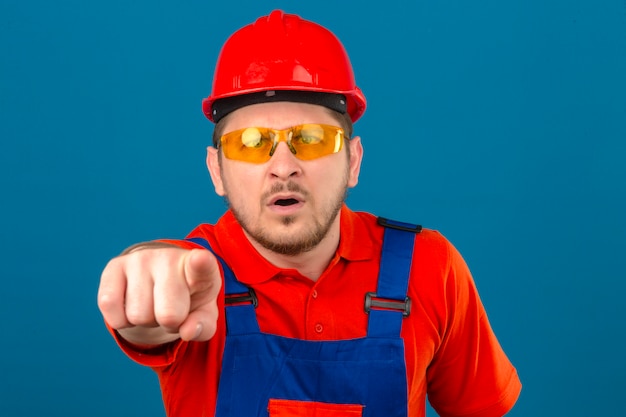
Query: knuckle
169	318
106	301
139	316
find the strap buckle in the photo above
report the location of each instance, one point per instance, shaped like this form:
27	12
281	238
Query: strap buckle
408	227
372	300
242	298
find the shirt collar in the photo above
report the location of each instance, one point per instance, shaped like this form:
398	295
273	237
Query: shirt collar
355	243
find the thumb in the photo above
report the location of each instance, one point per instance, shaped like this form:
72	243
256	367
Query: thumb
204	280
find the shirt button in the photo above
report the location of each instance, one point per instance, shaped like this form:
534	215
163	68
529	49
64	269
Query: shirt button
314	294
319	328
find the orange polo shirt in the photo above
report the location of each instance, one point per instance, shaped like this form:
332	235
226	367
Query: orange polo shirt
451	351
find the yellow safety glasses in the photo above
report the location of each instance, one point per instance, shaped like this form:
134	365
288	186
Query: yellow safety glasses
306	142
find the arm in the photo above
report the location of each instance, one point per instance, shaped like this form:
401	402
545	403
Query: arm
155	293
470	374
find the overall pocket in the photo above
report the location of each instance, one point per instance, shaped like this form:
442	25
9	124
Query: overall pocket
293	408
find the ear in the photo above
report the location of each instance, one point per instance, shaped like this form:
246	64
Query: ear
213	165
356	156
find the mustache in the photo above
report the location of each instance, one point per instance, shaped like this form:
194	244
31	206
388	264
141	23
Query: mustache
289	186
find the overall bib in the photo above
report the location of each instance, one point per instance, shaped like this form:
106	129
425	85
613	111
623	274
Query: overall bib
269	375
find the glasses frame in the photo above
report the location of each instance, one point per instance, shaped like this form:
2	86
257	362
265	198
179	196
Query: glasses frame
285	135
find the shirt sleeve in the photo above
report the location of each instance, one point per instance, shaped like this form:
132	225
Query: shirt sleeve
470	374
156	357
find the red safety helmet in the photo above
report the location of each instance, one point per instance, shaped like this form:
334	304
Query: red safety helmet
282	52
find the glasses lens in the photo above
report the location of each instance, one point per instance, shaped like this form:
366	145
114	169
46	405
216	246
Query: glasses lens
252	144
307	141
312	141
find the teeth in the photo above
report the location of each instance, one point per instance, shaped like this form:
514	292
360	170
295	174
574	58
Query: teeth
286	202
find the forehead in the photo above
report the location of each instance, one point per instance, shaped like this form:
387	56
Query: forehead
278	115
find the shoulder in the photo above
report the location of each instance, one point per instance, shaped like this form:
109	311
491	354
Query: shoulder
220	236
433	248
438	268
434	256
428	243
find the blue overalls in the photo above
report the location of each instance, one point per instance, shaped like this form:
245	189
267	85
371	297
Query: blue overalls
269	375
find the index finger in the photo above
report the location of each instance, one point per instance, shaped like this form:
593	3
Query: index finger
202	271
204	280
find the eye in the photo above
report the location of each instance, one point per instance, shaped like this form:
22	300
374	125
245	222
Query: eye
311	135
251	137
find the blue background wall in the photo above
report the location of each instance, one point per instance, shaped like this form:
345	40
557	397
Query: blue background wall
501	124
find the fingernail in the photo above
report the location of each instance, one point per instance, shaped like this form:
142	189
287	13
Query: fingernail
198	331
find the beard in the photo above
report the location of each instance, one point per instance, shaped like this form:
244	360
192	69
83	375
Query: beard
292	244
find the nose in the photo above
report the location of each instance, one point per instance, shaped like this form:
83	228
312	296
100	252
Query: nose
283	163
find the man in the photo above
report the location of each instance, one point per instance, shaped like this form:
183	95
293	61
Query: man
301	307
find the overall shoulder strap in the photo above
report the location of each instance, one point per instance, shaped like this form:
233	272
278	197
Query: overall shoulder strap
239	300
390	304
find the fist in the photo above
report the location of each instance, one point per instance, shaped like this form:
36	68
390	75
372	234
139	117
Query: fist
157	295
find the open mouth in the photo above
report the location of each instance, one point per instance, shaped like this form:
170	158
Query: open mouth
286	202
